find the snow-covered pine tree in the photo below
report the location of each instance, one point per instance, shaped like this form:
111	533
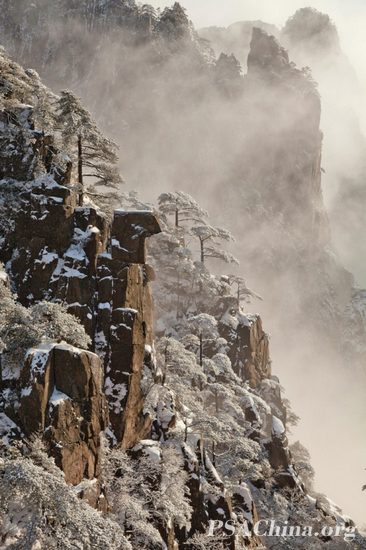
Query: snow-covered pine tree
301	457
210	245
243	293
147	487
182	206
22	328
95	154
39	510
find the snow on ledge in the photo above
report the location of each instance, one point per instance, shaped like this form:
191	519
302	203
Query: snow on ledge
57	398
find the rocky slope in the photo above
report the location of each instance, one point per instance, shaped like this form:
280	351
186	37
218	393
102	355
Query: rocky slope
307	281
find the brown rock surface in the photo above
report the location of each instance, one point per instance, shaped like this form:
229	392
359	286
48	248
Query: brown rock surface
125	321
63	397
248	348
128	233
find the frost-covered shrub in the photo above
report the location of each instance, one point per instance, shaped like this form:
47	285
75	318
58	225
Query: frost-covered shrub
22	328
38	510
147	487
54	322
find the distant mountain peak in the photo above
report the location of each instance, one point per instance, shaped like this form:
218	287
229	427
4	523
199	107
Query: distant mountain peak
312	29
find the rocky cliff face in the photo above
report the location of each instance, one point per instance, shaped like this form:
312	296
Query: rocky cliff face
125	334
294	145
311	40
285	217
63	396
235	38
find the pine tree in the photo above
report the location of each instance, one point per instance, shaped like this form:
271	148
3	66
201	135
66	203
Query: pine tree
173	23
243	293
209	238
95	154
22	328
182	206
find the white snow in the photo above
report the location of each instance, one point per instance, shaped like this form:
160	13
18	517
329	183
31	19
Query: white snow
47	257
72	349
40	356
244	491
57	270
57	398
108	256
70	272
3	276
165	412
75	304
278	428
47	181
10	371
116	394
100	338
117	244
26	391
213	470
104	305
77	253
109	433
150	446
6	427
127	310
85	484
100	344
6	423
117	212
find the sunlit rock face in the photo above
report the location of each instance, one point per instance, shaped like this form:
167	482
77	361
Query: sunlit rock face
71	396
63	396
262	161
124	332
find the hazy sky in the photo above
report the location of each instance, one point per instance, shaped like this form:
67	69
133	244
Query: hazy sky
216	12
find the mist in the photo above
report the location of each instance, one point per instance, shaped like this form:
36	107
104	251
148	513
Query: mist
334	417
235	141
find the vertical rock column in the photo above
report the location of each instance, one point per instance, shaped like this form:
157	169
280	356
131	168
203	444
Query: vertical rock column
292	148
61	395
124	332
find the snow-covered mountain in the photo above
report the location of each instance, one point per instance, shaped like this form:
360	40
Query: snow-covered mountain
163	435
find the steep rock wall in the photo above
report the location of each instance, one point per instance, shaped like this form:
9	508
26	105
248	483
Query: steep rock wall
293	146
62	396
125	335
